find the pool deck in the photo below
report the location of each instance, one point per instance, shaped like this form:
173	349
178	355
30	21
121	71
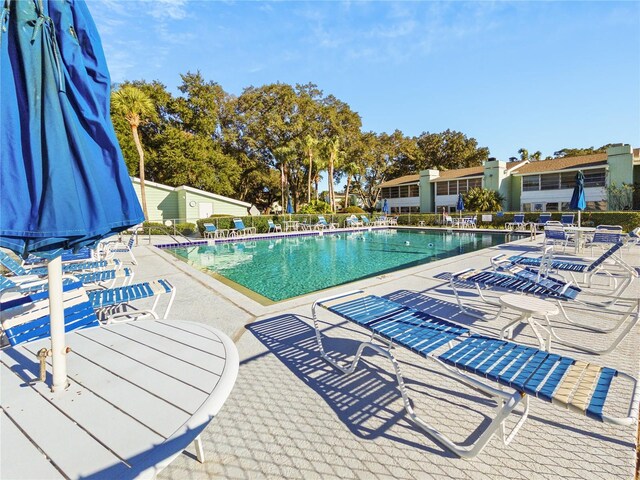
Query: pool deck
291	415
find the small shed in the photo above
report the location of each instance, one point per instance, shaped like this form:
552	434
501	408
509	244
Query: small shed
186	204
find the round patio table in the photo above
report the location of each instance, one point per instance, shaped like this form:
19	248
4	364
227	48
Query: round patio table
139	394
529	308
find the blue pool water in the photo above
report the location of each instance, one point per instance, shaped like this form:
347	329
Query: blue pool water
287	267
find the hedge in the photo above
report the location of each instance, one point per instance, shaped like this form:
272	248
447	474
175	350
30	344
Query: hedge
156	228
628	220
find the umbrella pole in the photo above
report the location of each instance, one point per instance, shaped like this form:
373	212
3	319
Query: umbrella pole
56	309
579	222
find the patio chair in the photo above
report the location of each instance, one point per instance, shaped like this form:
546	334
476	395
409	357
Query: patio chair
240	229
111	248
392	221
83	254
448	220
322	223
211	231
530	282
567	220
469	222
381	221
15	268
274	227
542	220
555	235
113	299
480	362
353	221
518	222
365	221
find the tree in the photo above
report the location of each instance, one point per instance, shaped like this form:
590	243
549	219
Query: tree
310	145
135	106
447	150
483	200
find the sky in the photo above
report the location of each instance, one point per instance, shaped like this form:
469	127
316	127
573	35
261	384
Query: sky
536	75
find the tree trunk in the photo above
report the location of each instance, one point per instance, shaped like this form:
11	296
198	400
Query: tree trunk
346	191
330	182
143	195
309	183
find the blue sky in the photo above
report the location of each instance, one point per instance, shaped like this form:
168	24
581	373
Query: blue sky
539	75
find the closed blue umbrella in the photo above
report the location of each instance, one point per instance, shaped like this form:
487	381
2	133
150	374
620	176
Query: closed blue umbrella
460	205
289	205
385	207
578	200
63	181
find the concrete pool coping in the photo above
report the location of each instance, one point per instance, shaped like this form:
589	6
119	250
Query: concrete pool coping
291	416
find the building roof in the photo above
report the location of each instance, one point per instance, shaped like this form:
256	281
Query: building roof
461	173
406	180
564	163
193	190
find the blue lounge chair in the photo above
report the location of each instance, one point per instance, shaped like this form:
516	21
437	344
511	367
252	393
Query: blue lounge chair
352	222
211	231
84	253
274	227
26	318
111	248
530	282
575	385
113	298
322	223
240	228
17	269
543	219
365	221
518	222
95	279
567	220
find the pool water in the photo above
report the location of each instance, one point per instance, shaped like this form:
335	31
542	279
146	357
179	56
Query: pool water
282	268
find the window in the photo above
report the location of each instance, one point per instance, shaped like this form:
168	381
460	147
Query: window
405	210
384	193
550	181
552	207
442	188
395	210
530	183
475	183
414	190
393	192
568	180
526	207
414	209
453	188
462	186
599	206
404	191
564	206
594	178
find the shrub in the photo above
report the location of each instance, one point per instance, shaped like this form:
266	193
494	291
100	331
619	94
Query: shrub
185	228
316	206
353	209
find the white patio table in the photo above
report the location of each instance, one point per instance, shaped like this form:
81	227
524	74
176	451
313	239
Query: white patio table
139	394
579	231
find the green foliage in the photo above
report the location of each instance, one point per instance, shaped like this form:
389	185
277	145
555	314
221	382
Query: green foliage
483	200
185	228
620	197
316	206
352	209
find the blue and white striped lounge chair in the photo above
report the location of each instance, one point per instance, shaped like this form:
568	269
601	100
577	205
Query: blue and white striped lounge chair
85	253
352	222
17	269
95	279
211	231
530	282
483	363
240	228
26	318
113	298
274	227
588	268
111	248
365	221
518	222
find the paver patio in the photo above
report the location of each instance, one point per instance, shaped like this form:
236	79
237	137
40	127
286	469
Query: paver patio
291	415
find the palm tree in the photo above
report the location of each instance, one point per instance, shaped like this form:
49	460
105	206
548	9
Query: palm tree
309	149
136	106
350	169
483	200
335	154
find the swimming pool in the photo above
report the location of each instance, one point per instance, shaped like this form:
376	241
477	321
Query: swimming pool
282	268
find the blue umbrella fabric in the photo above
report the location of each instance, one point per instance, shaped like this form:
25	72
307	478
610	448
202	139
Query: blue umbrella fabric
63	181
289	205
385	207
460	206
578	200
